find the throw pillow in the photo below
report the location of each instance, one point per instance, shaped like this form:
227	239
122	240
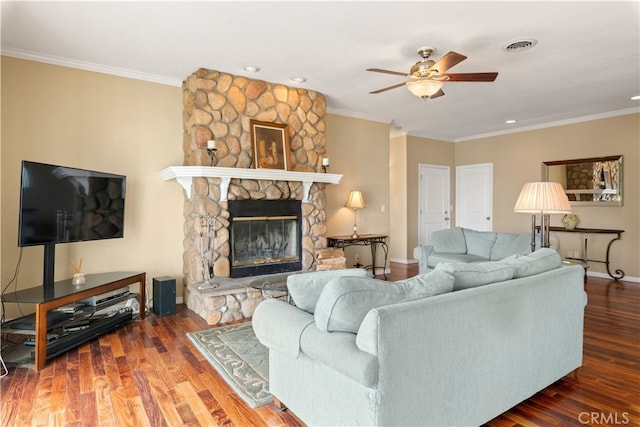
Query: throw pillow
479	243
305	288
449	241
544	259
469	275
345	301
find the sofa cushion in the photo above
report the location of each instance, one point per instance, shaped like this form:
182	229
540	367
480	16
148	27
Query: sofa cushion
305	288
509	244
345	301
479	243
450	240
476	274
437	258
544	259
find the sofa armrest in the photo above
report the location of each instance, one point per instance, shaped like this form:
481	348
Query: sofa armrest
421	253
279	326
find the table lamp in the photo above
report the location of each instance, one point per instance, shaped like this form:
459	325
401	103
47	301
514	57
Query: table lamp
355	202
542	198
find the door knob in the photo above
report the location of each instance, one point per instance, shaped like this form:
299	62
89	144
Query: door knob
446	219
488	218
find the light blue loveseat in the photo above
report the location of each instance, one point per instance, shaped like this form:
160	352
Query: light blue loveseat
459	244
462	357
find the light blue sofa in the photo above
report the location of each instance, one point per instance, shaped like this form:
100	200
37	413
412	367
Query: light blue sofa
459	244
379	353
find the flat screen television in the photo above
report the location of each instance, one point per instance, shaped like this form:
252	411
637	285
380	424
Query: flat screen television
60	204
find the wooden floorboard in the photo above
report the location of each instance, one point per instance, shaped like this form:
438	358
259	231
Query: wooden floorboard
149	374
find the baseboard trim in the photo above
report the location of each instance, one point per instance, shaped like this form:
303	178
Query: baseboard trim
631	279
403	261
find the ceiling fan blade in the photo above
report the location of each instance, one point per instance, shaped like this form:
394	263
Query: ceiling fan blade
437	94
469	77
448	61
388	88
380	70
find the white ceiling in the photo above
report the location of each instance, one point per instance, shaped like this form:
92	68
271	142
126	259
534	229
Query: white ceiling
585	65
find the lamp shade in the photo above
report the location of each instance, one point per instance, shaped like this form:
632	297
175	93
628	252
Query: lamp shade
424	88
542	197
356	200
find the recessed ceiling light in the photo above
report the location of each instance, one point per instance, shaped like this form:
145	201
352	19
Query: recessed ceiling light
251	69
510	122
298	79
635	98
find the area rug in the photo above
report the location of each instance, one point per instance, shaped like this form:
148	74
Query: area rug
234	351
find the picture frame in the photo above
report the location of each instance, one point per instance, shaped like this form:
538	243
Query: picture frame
270	145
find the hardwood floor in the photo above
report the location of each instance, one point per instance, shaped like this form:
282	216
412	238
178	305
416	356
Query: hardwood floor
149	373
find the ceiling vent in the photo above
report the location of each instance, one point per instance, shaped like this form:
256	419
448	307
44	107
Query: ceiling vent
519	45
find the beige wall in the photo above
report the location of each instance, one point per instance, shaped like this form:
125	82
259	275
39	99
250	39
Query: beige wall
398	180
89	120
359	149
517	159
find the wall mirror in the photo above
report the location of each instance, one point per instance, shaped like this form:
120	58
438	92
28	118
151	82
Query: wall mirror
595	181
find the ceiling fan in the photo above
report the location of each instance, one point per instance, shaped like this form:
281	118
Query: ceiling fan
426	76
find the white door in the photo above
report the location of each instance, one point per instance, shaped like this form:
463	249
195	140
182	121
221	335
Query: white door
434	201
474	196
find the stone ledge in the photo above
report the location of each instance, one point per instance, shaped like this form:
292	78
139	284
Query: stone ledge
233	299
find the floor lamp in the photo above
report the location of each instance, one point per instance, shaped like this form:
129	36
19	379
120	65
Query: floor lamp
542	198
355	202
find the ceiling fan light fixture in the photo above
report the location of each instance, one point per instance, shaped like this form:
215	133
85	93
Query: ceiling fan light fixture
424	88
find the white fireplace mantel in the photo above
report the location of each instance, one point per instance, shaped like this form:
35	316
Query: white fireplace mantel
185	174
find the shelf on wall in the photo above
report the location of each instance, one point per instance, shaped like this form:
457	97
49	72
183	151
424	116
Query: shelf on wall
185	174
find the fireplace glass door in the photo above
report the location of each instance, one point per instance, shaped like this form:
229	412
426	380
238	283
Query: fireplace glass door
264	240
265	237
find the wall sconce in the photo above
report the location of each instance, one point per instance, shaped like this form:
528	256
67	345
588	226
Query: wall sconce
542	198
325	164
212	150
355	202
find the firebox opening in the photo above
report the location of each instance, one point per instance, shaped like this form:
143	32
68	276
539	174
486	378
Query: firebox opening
265	237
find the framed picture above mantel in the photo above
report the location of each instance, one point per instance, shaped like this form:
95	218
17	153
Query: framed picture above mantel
270	145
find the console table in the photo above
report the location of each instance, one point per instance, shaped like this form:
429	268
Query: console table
64	292
371	240
586	231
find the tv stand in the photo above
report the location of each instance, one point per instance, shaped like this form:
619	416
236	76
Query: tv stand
64	292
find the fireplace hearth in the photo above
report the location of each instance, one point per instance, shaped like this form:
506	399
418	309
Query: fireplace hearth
265	237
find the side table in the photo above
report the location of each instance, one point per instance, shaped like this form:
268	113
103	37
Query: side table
585	260
273	287
371	240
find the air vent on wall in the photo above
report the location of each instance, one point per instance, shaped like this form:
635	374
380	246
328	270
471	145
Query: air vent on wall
519	45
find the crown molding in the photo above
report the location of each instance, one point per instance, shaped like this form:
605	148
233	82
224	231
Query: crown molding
89	66
358	115
574	120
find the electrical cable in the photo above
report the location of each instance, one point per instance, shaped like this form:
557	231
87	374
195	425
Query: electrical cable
13	279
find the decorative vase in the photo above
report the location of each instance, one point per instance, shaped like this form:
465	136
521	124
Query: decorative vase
570	221
78	279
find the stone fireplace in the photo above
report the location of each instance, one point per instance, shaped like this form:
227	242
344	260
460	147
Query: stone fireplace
220	106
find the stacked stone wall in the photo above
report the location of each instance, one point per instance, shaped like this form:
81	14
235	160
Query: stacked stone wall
220	106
